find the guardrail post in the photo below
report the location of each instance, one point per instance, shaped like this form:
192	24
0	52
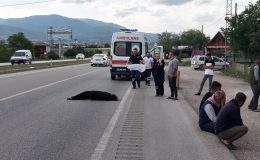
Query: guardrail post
178	79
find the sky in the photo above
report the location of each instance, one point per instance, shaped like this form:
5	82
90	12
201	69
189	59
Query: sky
151	16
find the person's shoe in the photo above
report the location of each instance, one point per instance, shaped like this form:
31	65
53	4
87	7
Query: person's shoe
139	85
175	98
231	146
256	110
170	98
197	94
250	107
160	95
133	87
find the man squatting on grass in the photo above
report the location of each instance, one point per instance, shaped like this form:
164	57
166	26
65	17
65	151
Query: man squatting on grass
229	125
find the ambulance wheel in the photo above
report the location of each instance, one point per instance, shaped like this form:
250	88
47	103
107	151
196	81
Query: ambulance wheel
113	77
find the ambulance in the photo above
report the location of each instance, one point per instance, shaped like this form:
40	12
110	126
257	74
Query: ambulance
122	44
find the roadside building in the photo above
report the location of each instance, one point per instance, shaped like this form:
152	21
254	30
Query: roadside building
217	45
40	48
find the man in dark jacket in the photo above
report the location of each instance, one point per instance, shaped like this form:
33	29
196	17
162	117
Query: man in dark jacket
229	125
158	75
255	84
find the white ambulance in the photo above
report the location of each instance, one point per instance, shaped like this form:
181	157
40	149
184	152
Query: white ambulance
122	45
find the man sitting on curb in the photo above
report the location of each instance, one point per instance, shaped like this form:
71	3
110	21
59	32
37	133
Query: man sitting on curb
209	110
215	86
229	125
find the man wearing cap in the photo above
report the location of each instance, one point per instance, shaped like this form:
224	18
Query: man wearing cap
135	59
208	74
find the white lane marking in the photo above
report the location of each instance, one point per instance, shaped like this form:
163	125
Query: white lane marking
37	71
44	86
102	144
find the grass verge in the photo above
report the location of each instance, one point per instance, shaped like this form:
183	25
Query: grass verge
28	67
236	74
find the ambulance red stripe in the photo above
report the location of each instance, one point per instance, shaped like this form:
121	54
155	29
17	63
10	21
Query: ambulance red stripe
119	61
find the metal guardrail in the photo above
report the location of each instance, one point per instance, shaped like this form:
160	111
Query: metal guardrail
49	61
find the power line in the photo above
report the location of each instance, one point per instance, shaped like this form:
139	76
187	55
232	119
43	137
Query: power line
216	21
27	3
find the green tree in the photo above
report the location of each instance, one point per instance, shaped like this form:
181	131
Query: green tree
168	40
19	41
52	55
244	31
193	38
73	52
4	53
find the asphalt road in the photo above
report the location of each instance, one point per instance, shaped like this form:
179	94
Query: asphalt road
38	123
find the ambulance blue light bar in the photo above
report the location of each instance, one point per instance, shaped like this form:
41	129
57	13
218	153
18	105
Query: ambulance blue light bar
129	30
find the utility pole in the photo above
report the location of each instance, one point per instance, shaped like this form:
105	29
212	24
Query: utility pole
204	45
228	16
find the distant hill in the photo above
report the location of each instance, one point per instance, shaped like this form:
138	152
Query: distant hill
35	28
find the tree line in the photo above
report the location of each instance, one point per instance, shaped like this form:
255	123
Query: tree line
193	38
19	41
244	31
243	35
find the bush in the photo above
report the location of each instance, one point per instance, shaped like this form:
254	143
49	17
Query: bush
52	55
236	73
5	54
71	53
91	51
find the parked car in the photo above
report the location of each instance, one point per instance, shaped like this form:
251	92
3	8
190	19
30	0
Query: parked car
21	56
197	62
80	56
100	59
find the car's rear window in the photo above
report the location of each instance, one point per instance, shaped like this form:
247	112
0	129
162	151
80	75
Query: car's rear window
19	54
202	58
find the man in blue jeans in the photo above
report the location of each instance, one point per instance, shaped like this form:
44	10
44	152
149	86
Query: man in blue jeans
208	66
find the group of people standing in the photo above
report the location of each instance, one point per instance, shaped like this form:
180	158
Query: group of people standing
155	66
221	118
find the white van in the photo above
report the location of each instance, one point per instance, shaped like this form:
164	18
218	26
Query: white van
21	56
122	44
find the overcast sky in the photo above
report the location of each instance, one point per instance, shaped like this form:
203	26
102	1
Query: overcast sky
154	16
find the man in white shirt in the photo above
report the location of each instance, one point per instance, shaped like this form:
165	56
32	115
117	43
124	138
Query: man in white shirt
208	66
148	62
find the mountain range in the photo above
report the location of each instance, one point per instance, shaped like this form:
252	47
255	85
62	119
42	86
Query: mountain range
86	30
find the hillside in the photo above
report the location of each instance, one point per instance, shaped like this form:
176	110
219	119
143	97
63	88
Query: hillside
35	28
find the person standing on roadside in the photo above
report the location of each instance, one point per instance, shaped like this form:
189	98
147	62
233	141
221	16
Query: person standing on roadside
229	125
172	76
158	74
255	84
148	62
135	59
208	66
